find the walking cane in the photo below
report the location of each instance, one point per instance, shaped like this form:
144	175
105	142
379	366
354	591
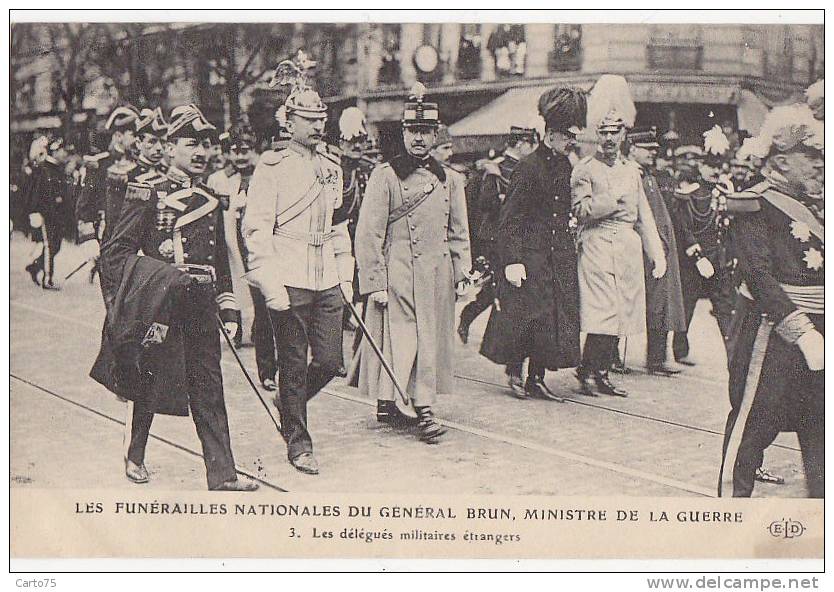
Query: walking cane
246	374
388	370
76	270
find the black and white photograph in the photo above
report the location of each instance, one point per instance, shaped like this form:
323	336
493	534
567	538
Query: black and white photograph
546	259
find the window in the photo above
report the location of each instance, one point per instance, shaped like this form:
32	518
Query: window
675	47
567	48
389	70
508	46
469	52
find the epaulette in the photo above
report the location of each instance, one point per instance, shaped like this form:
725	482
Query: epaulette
96	157
684	190
138	192
273	157
150	178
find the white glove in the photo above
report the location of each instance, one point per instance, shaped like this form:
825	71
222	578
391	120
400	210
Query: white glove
279	299
515	274
705	267
461	288
659	269
35	220
90	249
347	290
380	298
812	346
231	329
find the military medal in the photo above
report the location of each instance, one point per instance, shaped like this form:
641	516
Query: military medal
166	248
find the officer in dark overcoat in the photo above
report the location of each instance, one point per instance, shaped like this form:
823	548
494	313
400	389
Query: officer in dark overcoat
538	312
47	203
485	194
664	300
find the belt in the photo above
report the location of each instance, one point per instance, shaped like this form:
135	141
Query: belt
202	274
807	299
315	239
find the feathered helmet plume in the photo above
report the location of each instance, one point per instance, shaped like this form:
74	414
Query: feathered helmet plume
302	100
716	141
352	124
610	104
785	128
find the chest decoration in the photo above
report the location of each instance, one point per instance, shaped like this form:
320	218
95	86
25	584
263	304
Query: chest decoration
166	248
813	259
165	217
800	231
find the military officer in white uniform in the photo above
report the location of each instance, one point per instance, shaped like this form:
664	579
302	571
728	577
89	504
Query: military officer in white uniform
298	260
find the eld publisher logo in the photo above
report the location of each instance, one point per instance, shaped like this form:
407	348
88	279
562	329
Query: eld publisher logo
786	529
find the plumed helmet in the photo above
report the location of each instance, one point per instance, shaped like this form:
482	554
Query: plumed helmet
610	105
784	128
302	100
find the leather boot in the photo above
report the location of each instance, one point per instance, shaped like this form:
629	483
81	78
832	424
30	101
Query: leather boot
536	387
33	270
430	430
585	386
607	387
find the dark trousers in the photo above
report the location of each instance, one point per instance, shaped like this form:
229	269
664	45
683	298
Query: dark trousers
483	300
262	336
656	347
787	397
313	324
52	244
207	405
599	352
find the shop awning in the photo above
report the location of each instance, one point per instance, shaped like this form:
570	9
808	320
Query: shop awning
517	106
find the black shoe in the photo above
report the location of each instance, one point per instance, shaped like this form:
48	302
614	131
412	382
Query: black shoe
306	463
662	370
605	385
136	473
50	286
766	476
341	371
463	332
33	270
387	413
585	386
430	430
237	485
619	367
685	361
516	386
536	387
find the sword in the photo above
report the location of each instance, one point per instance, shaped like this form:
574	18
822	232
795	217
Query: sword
388	370
246	374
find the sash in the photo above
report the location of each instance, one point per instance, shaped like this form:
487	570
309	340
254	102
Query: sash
177	199
300	205
795	211
409	206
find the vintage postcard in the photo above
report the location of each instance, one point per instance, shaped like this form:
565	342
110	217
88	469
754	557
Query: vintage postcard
450	286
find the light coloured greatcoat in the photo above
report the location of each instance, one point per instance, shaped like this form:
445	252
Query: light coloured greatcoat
418	259
615	226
